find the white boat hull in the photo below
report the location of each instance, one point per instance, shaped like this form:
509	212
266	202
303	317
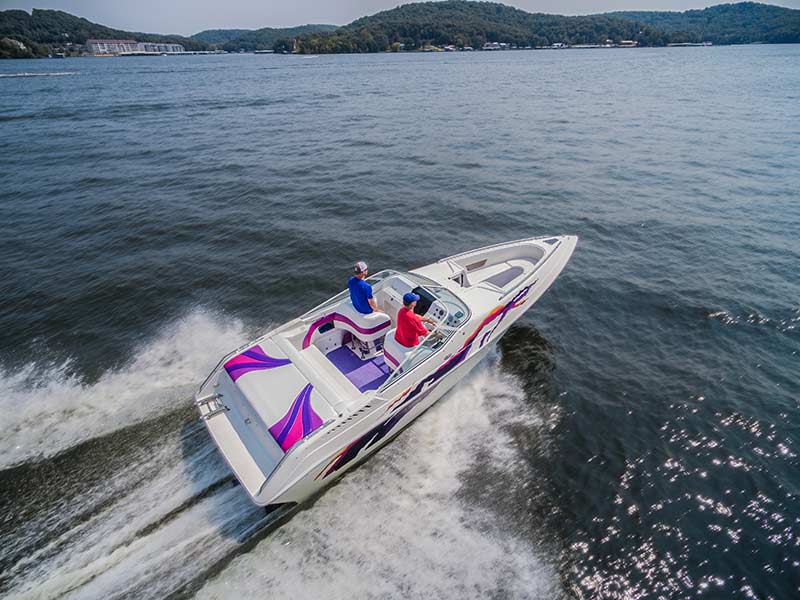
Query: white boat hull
499	283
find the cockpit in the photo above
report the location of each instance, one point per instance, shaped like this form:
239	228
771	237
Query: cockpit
359	350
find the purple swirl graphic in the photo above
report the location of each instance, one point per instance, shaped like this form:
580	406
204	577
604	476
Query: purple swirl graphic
298	422
253	359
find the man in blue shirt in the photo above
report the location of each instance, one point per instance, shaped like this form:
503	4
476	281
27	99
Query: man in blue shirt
361	291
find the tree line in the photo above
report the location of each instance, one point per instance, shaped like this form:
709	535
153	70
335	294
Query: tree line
742	23
465	23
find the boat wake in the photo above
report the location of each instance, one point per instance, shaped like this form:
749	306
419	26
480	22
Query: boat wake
150	511
45	410
143	528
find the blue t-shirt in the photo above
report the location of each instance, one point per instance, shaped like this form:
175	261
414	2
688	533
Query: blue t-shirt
360	292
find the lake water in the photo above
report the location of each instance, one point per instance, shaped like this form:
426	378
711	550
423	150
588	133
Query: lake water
636	435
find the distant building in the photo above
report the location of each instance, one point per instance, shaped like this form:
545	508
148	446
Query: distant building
160	48
116	47
111	46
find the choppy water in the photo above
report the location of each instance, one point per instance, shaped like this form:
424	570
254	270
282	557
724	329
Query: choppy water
635	436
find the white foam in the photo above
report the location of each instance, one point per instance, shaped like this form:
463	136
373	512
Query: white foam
127	546
52	74
57	411
397	527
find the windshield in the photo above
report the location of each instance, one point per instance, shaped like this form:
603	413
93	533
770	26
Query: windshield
455	313
433	342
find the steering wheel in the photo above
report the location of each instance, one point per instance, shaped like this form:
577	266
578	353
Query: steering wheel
437	335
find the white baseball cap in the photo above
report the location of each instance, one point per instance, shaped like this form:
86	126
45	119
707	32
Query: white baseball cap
361	266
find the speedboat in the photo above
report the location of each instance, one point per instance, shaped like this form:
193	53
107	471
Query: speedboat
297	408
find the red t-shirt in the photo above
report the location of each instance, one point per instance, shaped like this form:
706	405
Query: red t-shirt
409	328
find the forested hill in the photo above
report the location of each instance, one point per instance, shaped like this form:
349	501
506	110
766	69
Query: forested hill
233	40
743	23
465	23
219	36
54	28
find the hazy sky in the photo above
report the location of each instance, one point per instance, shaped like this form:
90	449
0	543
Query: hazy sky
190	16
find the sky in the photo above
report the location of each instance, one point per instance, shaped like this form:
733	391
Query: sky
186	17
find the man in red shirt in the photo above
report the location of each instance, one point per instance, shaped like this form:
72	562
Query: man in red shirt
409	323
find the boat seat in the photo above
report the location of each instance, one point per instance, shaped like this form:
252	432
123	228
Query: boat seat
394	353
366	328
503	278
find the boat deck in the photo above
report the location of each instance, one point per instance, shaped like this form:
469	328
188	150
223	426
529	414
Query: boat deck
364	374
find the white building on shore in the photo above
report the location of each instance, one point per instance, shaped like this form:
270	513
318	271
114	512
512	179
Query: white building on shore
117	47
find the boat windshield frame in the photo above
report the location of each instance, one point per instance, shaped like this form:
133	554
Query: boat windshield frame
431	344
437	337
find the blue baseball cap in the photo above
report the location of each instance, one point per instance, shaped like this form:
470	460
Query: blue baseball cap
410	297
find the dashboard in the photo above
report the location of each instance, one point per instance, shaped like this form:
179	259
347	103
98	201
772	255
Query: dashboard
440	309
445	309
